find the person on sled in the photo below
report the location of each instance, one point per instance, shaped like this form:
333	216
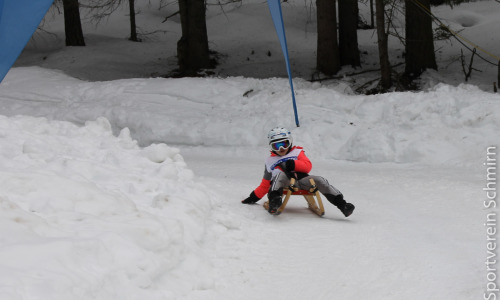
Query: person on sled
287	161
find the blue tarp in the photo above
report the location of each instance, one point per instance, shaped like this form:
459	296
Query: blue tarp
275	8
18	21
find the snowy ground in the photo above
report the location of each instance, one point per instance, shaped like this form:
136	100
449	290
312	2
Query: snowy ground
416	234
131	188
88	213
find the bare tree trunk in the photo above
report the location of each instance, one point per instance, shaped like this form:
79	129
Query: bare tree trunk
133	27
348	33
372	22
419	39
328	58
498	75
192	48
383	53
72	23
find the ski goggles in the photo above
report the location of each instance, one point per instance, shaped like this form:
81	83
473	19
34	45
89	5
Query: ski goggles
276	146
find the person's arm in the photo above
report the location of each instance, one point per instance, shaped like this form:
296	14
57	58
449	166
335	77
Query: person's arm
261	190
302	163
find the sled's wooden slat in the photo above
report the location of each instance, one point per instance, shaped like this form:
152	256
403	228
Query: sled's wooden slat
312	197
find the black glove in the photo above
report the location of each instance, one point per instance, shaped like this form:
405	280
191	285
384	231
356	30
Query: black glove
288	166
251	199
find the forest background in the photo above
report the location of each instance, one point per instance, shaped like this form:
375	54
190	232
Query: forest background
394	41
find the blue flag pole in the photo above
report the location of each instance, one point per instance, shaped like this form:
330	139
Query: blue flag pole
18	21
275	8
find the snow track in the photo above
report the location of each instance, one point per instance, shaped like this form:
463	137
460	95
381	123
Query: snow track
409	238
85	213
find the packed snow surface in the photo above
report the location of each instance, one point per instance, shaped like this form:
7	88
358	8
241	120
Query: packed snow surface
131	188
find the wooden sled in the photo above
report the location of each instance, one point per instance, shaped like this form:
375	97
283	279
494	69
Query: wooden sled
312	197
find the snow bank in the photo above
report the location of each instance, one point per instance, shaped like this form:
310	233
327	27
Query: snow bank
445	125
88	215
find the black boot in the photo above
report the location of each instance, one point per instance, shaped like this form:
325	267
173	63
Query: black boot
274	205
348	209
340	203
274	201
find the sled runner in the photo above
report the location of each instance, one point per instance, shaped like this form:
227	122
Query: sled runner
312	197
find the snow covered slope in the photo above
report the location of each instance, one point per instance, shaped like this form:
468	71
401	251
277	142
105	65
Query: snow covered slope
91	214
131	188
446	125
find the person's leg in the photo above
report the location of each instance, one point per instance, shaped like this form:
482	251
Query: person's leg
332	194
276	192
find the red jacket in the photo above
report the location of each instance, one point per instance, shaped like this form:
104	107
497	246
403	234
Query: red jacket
302	165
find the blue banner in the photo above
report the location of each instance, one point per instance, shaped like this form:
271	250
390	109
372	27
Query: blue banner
275	8
18	21
1	8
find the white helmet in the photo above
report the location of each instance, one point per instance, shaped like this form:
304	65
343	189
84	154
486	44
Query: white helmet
279	134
